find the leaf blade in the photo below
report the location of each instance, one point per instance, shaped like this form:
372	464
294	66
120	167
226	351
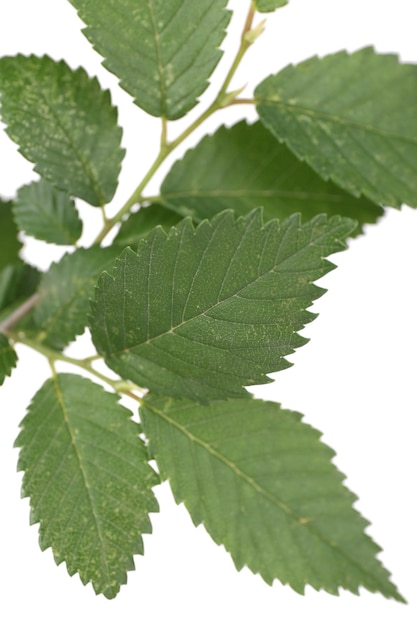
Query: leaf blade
267	6
9	243
46	213
363	136
139	225
263	485
204	312
167	52
8	358
206	180
64	293
75	142
88	479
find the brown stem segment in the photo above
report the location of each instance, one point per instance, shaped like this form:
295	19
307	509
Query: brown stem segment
19	313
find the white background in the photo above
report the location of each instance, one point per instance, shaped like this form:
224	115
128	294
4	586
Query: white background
355	380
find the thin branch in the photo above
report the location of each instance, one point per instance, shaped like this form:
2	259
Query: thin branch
19	313
118	385
135	198
242	101
222	100
245	43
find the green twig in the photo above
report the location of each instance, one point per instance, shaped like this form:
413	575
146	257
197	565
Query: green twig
245	43
52	355
222	100
135	198
243	101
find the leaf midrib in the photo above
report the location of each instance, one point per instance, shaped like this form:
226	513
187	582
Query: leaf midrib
161	70
201	314
232	466
65	415
238	193
342	121
80	156
258	488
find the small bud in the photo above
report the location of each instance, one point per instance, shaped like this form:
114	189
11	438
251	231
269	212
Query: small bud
252	35
230	96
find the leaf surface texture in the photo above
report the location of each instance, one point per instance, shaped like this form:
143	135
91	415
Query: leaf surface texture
263	485
9	243
203	312
163	51
18	281
207	180
88	480
47	213
65	291
8	358
139	225
64	123
353	118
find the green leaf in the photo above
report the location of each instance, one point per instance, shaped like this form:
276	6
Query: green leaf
207	181
163	51
18	281
9	243
263	485
139	225
88	480
267	6
353	118
203	312
64	123
46	213
65	292
8	358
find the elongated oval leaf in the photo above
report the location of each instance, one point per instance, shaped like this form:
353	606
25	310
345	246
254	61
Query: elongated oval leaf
163	51
48	214
267	6
9	243
139	225
353	118
203	312
65	292
88	480
262	483
64	123
207	180
8	358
